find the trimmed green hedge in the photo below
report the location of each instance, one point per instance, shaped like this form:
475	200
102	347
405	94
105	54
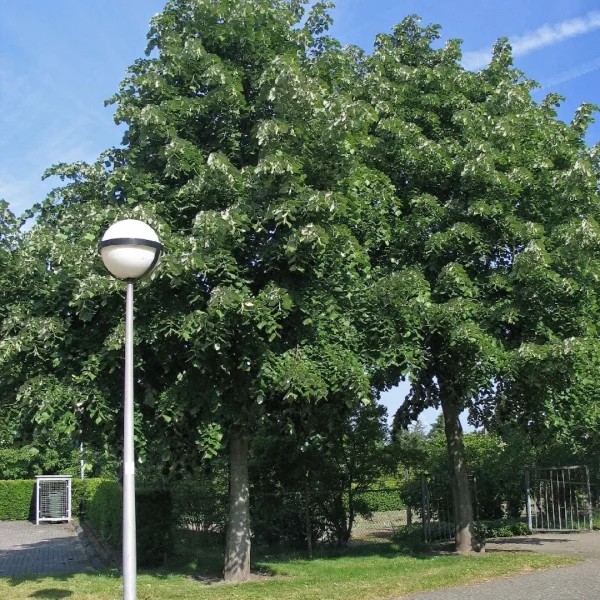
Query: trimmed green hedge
103	507
378	501
154	519
17	500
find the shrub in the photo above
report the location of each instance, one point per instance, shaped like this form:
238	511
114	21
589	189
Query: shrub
154	512
17	500
80	493
409	538
104	508
500	528
280	519
19	463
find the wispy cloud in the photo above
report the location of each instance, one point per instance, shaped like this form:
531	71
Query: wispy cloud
544	36
574	73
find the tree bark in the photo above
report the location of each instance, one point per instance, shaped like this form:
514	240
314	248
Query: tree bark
237	549
463	508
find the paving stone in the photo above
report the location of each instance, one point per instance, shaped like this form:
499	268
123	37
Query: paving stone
45	549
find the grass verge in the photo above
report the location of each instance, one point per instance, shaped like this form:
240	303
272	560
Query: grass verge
366	572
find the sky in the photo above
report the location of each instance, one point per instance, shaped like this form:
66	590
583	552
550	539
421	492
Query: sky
60	59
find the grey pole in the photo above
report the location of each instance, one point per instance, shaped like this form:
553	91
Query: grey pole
81	461
129	550
528	499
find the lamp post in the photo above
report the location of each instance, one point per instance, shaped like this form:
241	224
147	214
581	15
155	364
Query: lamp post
129	249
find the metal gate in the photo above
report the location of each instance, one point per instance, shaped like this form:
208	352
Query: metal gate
437	507
558	499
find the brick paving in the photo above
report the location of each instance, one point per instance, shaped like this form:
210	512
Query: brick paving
45	549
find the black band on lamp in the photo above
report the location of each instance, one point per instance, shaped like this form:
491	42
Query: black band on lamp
135	242
130	242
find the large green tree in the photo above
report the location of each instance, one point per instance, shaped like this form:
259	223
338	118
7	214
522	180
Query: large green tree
492	204
238	152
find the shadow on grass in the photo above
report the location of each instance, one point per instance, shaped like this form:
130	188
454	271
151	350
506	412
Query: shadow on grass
51	594
202	557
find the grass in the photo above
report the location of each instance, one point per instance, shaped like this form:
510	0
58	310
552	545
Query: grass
369	572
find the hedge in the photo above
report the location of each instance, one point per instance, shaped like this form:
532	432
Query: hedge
103	508
154	519
17	500
499	528
378	501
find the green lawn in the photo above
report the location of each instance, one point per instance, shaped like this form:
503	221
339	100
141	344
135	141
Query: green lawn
367	572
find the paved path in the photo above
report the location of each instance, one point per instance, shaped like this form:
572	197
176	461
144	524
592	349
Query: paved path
580	582
45	549
584	545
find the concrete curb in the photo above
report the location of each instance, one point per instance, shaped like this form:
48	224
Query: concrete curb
100	553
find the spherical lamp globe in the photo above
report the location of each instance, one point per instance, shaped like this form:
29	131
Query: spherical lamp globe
130	249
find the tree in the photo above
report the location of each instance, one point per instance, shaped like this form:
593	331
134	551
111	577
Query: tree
238	156
437	428
492	206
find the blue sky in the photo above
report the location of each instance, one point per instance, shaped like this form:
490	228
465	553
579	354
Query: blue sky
60	59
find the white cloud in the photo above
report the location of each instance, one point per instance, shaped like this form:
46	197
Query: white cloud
574	73
544	36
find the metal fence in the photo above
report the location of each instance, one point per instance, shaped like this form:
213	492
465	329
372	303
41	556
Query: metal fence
300	519
558	499
437	507
554	499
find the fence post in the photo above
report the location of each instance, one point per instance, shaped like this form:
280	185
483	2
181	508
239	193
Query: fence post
307	519
528	499
425	507
589	491
476	497
408	507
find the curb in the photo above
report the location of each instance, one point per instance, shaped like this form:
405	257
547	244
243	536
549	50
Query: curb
100	554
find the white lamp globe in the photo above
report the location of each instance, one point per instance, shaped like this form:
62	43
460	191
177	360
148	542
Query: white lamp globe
130	249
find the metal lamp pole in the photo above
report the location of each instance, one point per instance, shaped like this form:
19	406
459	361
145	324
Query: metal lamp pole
130	249
129	549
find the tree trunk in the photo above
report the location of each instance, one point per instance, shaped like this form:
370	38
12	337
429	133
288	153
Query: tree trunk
463	508
237	549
